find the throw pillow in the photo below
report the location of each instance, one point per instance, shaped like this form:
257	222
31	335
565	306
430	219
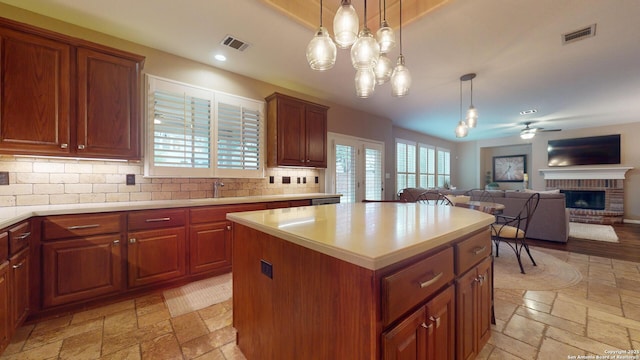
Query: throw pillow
554	191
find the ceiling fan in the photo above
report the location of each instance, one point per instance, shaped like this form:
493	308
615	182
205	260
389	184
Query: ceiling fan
529	132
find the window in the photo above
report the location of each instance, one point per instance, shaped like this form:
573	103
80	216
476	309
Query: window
197	132
431	166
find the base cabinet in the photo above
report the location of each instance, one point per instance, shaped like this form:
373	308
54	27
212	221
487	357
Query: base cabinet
210	246
473	307
428	333
19	264
156	256
81	269
5	324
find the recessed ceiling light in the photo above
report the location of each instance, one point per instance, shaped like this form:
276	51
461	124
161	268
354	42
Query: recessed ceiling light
528	112
220	57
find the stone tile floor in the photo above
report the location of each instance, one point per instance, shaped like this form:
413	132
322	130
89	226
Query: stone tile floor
600	314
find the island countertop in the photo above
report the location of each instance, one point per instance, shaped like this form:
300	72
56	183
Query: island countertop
371	235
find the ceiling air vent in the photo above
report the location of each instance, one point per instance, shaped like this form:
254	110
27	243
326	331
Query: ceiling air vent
577	35
234	43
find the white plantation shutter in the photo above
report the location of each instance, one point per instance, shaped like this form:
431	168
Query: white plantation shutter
427	166
182	122
239	139
345	172
444	167
405	164
373	174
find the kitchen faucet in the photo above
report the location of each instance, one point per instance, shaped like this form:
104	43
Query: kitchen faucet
217	184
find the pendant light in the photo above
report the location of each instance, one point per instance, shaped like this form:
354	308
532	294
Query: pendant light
472	113
462	129
345	25
365	82
383	69
400	78
365	51
321	51
386	37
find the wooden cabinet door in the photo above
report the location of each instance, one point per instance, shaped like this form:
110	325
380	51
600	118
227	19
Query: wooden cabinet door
108	110
406	341
441	329
210	247
81	269
19	287
485	297
291	133
466	315
316	137
5	324
156	255
35	98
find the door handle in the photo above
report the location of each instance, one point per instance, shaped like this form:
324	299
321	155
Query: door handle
132	241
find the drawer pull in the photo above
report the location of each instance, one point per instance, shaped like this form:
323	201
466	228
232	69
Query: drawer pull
116	242
435	320
229	227
478	251
424	325
158	220
81	227
430	282
132	241
23	236
17	266
480	279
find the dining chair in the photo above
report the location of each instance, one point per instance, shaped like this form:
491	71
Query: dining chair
407	195
433	198
513	229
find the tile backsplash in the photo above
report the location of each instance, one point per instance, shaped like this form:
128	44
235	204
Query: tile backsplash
44	181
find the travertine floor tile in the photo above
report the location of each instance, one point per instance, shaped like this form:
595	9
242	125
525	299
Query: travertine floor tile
205	344
589	345
53	324
188	327
153	317
570	311
84	346
19	339
599	260
216	309
149	304
130	353
513	346
40	339
503	310
44	352
221	321
163	347
102	311
536	305
631	311
127	339
525	330
545	297
609	333
553	349
232	352
121	322
551	320
212	355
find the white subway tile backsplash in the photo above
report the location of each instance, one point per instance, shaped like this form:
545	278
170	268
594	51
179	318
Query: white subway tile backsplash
41	181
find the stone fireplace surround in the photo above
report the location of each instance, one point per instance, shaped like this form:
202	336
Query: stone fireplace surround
607	179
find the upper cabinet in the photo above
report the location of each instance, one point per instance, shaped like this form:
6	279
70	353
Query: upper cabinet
296	132
62	96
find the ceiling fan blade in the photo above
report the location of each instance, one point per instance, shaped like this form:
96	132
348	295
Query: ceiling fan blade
548	130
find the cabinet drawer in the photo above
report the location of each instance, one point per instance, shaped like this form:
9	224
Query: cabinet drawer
408	287
143	220
219	213
19	237
471	251
4	246
59	227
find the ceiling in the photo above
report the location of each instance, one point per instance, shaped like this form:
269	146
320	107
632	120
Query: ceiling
514	47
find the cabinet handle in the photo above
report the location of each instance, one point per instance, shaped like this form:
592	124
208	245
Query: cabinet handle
229	227
64	146
478	251
116	242
308	160
424	325
80	147
23	236
158	219
301	160
430	282
80	227
132	241
17	266
480	279
435	320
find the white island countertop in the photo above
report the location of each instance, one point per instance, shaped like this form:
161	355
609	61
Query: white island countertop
370	235
12	214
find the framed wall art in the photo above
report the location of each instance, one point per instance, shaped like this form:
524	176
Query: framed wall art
509	168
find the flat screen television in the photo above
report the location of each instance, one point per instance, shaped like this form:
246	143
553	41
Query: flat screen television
595	150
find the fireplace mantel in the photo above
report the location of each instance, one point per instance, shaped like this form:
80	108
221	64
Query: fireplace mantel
583	173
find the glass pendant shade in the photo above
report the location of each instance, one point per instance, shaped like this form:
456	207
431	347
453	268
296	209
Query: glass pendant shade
462	129
365	51
345	25
472	117
386	38
400	79
383	69
321	51
365	82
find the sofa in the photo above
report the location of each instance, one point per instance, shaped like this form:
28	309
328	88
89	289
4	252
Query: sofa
550	221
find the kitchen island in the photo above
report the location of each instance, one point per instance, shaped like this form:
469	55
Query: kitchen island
362	281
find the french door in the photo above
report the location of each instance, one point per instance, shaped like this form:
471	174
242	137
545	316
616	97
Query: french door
355	168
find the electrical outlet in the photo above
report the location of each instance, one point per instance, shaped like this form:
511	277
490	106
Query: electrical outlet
4	178
317	180
131	179
266	268
298	180
271	179
304	180
286	179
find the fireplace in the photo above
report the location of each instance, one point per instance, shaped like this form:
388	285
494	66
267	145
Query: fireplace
585	199
593	194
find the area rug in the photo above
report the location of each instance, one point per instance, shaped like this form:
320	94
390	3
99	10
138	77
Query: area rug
198	295
592	232
550	274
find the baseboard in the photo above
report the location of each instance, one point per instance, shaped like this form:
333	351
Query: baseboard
629	221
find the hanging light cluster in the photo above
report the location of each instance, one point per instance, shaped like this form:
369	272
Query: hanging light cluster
471	119
368	53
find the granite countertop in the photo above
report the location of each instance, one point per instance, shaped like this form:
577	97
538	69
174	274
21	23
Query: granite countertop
14	214
371	235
